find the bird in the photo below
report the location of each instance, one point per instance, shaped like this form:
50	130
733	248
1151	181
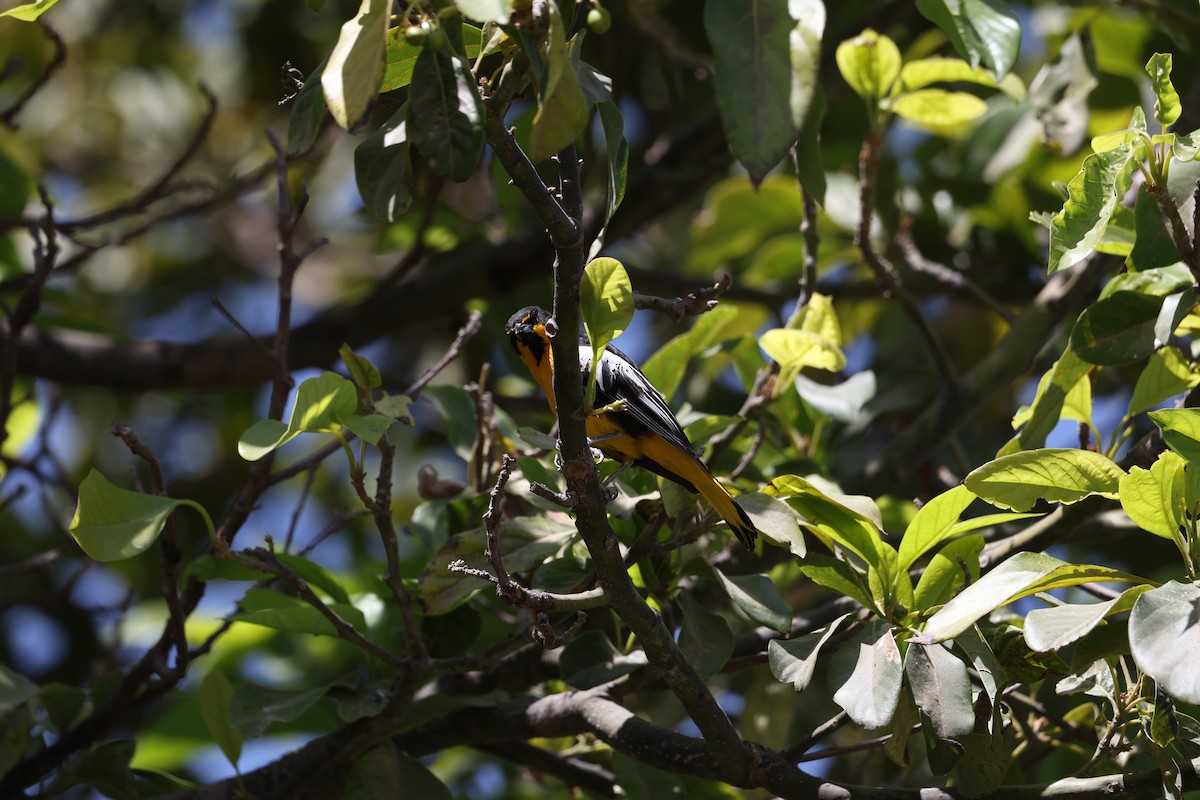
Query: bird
645	432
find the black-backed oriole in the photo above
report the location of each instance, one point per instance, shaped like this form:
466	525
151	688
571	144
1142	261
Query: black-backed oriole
645	433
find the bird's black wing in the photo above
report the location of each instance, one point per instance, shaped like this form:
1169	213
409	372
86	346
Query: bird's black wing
646	411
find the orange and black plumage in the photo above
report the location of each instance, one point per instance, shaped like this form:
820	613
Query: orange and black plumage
645	432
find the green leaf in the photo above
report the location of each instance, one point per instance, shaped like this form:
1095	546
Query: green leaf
1060	393
1119	329
983	32
705	639
617	149
383	168
308	112
794	660
869	674
321	403
1153	245
922	72
368	427
563	108
112	524
938	108
1186	146
1020	576
984	762
64	705
364	374
1061	475
253	708
668	366
870	63
402	56
486	10
775	520
354	71
765	59
1094	195
1167	107
457	409
1165	375
836	575
933	524
281	612
15	689
808	148
1180	430
606	301
947	571
941	688
758	598
214	696
315	575
845	402
446	114
1058	626
1164	636
29	12
798	349
1155	499
830	519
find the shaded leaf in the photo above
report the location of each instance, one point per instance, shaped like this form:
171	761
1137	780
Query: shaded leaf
1058	626
562	106
112	523
704	636
794	660
983	32
869	673
445	114
758	598
941	689
308	112
590	659
765	60
1165	375
383	168
214	696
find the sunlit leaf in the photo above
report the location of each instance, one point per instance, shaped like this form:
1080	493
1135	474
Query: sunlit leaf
1094	195
1180	430
933	524
354	70
112	523
29	12
1058	626
1020	576
938	108
870	63
1155	499
1167	107
1061	475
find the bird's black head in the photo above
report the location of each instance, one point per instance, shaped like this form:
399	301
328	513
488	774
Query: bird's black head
527	328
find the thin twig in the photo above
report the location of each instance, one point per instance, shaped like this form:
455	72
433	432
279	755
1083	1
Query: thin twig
943	274
693	304
9	115
885	271
469	329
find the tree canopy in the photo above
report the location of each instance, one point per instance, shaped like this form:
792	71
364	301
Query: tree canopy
286	515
